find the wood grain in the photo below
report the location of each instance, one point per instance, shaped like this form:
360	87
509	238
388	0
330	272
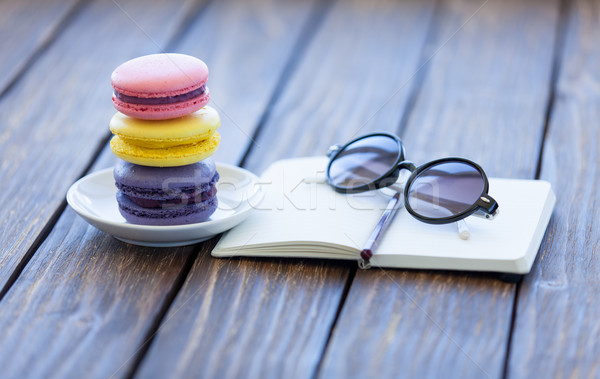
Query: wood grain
116	326
485	101
557	331
247	46
271	318
247	318
85	302
364	52
83	305
57	115
26	28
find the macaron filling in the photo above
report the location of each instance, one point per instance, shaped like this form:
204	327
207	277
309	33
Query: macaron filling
183	200
161	100
174	193
190	213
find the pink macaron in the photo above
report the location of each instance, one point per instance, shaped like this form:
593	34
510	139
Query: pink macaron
160	86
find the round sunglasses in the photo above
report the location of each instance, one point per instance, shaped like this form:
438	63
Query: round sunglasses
438	192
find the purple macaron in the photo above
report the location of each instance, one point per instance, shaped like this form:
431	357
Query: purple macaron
166	195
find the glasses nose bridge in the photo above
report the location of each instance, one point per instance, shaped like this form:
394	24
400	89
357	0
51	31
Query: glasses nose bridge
406	165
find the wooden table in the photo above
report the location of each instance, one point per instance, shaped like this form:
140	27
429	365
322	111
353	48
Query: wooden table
513	85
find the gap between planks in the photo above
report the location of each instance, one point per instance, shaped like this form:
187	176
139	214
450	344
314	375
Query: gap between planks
347	286
140	353
55	34
29	63
315	19
309	30
418	79
543	122
560	36
421	74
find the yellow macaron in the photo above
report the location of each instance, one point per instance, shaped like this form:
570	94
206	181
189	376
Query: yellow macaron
179	155
190	129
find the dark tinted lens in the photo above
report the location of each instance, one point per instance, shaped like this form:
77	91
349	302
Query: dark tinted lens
445	189
364	161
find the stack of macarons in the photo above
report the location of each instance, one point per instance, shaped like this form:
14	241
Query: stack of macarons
164	135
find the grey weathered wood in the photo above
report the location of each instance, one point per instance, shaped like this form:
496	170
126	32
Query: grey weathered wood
484	97
421	324
27	26
56	116
246	48
247	318
365	52
64	316
271	318
557	330
116	326
84	303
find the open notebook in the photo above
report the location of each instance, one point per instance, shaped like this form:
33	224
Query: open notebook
301	216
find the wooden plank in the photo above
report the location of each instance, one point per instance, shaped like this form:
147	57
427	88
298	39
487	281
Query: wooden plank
246	48
247	318
26	28
99	297
557	331
64	315
484	97
57	115
84	304
272	318
365	52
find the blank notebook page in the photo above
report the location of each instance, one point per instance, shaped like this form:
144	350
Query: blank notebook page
301	216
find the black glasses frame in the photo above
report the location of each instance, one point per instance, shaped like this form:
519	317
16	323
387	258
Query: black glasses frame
485	206
385	180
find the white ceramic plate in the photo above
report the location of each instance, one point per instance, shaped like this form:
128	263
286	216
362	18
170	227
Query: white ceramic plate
93	198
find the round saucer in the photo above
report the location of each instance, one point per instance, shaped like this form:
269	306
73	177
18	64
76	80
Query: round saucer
93	197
